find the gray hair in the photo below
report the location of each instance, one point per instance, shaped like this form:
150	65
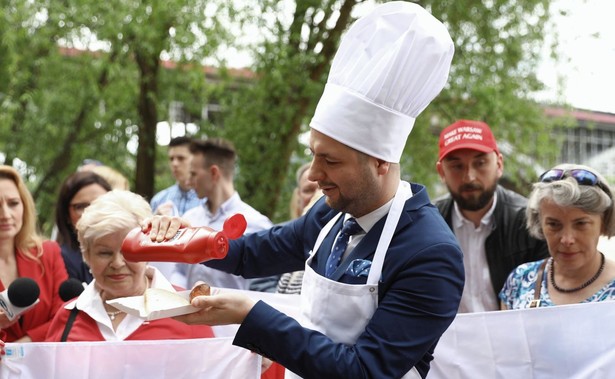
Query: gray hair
567	192
112	212
303	168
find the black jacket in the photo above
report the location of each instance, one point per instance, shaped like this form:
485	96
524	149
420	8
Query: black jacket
509	244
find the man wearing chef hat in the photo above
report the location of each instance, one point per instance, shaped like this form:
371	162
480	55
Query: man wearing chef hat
383	272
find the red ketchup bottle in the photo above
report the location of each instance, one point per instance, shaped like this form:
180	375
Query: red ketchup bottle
189	245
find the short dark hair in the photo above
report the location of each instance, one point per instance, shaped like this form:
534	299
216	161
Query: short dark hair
73	184
180	141
217	151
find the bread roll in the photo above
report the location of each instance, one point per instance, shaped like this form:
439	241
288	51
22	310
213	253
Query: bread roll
200	290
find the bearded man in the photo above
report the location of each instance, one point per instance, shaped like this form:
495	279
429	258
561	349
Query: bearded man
487	219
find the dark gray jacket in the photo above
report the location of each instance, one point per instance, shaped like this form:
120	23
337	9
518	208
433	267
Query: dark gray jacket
509	244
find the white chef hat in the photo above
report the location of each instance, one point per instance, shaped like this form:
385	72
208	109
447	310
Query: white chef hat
390	65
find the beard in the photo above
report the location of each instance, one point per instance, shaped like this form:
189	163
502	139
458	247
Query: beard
358	197
474	201
352	203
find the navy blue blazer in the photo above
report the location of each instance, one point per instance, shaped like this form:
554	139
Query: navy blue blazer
418	294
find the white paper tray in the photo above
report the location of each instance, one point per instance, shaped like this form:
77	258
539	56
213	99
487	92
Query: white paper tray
135	305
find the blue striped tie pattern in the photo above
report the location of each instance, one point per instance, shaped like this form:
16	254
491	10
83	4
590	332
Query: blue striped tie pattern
351	227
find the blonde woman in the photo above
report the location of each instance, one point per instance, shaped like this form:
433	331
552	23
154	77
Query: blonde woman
101	230
24	253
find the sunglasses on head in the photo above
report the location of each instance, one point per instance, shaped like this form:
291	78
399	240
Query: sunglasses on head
582	176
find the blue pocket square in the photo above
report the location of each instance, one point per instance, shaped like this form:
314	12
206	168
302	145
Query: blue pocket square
359	267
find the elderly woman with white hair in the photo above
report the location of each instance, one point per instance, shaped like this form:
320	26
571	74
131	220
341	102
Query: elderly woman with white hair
570	207
101	230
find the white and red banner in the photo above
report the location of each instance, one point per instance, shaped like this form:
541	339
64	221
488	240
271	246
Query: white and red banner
214	358
572	342
211	358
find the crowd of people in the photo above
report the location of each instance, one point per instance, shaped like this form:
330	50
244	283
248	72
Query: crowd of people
381	269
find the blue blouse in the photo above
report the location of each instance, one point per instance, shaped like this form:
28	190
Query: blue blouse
518	291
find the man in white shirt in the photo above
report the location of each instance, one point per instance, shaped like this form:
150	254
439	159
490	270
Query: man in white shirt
178	198
212	170
487	219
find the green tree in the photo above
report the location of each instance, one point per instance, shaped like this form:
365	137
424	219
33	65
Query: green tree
492	79
86	78
265	119
497	51
138	35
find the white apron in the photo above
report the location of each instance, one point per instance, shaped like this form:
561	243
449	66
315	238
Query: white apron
327	304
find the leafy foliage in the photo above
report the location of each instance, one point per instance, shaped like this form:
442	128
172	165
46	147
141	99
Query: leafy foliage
85	79
492	79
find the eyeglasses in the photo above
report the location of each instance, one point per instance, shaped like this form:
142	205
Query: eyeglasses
582	176
79	207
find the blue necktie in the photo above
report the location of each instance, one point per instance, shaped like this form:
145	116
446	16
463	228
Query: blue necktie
351	227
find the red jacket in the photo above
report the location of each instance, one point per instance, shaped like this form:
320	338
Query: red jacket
36	320
85	329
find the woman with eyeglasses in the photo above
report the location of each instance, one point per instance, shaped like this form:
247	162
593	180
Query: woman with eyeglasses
570	207
25	254
76	194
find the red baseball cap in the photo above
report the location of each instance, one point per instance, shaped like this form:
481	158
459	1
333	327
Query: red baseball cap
467	134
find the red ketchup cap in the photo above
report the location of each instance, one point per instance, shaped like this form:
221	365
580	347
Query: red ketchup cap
234	226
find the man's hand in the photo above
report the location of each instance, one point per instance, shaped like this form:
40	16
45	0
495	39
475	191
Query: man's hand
161	228
220	309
